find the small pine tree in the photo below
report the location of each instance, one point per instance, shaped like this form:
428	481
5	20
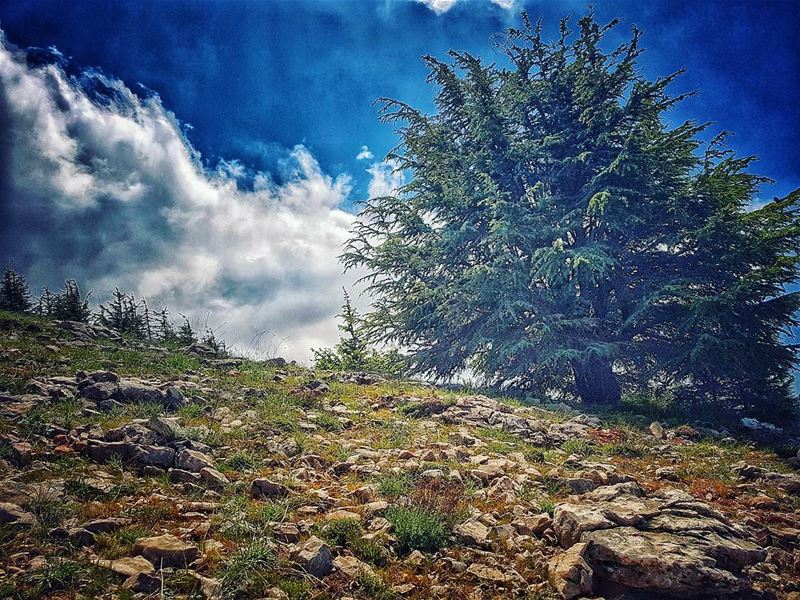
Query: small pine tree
14	293
352	352
69	304
210	339
44	304
127	315
352	347
164	327
147	329
186	334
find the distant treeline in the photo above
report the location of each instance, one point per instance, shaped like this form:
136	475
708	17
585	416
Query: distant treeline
124	313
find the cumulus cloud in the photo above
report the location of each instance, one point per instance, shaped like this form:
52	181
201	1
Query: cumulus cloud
505	4
385	179
100	184
365	154
439	6
442	6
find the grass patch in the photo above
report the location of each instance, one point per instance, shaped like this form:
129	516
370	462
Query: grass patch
241	460
578	446
394	485
417	528
245	572
296	589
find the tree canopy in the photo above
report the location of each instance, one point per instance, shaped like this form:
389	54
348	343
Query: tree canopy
557	233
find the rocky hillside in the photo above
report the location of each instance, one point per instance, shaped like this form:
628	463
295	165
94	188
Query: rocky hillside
132	472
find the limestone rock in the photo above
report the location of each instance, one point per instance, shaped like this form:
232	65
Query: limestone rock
142	582
167	550
12	514
129	565
473	533
314	556
570	574
157	456
487	573
666	542
213	478
657	430
192	460
264	488
352	567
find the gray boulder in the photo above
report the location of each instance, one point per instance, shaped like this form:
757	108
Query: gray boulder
665	543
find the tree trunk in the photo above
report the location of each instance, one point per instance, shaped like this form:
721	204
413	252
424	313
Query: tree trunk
595	381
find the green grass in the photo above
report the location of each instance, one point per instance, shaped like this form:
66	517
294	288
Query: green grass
240	460
349	533
417	528
296	589
60	574
49	508
246	571
394	485
375	588
578	446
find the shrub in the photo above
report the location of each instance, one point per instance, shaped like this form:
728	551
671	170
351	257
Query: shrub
393	485
340	531
349	533
417	528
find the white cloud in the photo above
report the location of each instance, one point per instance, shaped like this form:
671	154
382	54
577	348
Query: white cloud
442	6
110	192
384	179
505	4
365	154
439	6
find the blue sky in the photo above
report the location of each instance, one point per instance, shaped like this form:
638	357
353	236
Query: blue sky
253	79
100	179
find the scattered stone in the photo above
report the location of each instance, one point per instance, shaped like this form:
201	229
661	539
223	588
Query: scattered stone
657	430
157	456
213	478
166	428
264	488
142	582
487	573
21	454
667	474
192	460
166	550
666	542
570	574
174	399
473	533
756	425
342	514
106	525
12	514
352	567
128	566
314	556
535	525
78	536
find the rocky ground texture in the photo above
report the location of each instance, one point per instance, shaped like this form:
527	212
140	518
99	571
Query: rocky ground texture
131	471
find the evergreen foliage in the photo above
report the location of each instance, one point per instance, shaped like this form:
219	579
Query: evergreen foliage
164	327
558	234
14	292
123	313
186	334
68	304
352	352
126	315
